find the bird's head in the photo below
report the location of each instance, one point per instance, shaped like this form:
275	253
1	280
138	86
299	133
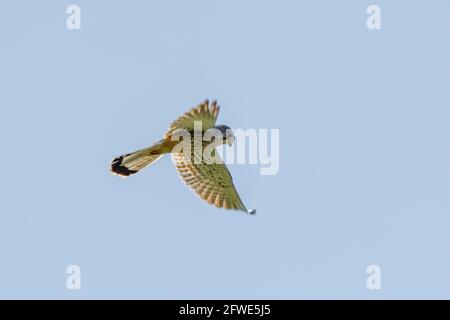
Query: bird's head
227	134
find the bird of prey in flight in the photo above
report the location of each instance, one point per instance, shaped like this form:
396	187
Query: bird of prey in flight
211	180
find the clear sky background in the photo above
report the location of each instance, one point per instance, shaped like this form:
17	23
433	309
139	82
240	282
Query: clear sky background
364	153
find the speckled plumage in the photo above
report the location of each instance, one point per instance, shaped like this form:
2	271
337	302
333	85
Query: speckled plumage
211	181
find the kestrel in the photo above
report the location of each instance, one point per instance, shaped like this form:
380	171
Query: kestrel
211	180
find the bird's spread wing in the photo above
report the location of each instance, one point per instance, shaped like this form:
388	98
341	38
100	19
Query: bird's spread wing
204	112
212	182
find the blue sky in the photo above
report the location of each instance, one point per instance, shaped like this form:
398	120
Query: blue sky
364	127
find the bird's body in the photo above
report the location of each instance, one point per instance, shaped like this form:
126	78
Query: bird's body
195	157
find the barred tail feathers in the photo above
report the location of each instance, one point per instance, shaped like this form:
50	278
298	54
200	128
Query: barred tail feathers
130	163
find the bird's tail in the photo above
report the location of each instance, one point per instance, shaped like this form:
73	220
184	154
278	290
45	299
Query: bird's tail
130	163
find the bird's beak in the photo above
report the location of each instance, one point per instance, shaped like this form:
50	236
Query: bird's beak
230	140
